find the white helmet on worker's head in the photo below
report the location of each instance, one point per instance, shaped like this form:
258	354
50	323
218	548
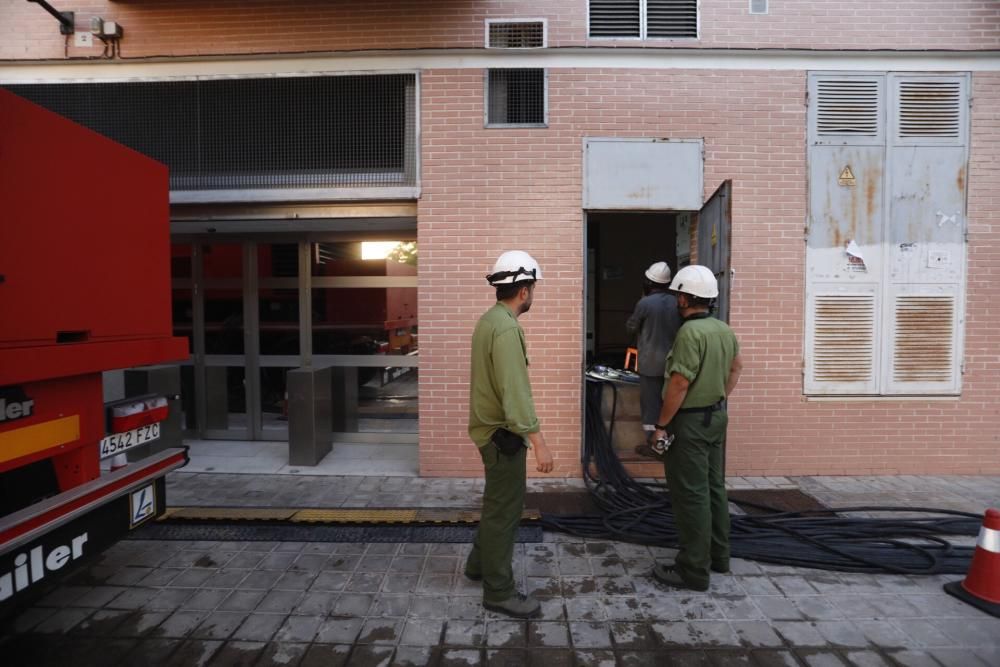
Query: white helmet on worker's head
658	273
514	266
696	280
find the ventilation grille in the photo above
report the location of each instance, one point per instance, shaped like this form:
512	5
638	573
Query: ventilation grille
516	96
847	108
930	109
615	18
516	35
758	6
671	18
295	132
924	339
843	338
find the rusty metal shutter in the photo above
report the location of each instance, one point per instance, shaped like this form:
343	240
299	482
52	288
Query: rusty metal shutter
930	109
924	336
671	18
925	247
842	342
846	133
885	240
515	34
615	18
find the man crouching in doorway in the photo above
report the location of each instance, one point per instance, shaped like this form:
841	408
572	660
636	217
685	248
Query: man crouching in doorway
501	417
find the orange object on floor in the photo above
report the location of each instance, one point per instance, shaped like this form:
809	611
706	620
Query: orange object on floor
630	354
981	587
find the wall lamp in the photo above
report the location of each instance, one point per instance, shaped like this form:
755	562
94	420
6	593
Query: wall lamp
65	18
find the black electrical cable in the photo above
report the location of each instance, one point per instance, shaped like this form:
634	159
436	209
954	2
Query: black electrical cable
640	512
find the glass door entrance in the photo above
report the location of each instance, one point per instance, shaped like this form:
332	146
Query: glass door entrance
255	310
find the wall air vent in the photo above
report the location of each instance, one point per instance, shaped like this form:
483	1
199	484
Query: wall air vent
615	18
844	338
515	34
847	107
924	339
930	109
671	18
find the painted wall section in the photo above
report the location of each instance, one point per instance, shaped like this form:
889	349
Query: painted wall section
521	188
197	28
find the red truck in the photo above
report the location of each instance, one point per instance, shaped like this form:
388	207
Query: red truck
84	288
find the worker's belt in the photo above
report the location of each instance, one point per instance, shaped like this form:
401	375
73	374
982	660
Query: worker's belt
707	412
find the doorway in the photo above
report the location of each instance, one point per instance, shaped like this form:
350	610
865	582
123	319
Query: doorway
620	247
255	309
622	244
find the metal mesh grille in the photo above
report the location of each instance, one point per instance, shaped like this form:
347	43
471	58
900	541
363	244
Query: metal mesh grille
614	18
517	35
671	18
516	96
298	132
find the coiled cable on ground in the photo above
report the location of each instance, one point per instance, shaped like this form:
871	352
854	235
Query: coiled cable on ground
832	539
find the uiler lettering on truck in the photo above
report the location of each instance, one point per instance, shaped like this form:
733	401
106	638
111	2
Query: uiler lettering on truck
11	410
31	566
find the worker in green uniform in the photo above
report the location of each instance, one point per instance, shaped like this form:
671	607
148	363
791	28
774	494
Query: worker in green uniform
702	369
502	421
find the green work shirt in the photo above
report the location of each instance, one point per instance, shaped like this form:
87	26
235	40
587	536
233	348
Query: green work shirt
703	353
499	390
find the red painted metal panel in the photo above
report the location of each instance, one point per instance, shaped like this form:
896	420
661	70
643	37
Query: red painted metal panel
85	240
19	365
79	396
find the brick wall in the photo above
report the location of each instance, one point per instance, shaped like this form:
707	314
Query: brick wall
485	191
203	27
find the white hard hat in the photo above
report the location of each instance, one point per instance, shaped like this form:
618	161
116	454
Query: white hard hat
659	273
696	280
514	266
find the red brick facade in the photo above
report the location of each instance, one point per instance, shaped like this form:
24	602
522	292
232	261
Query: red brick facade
486	190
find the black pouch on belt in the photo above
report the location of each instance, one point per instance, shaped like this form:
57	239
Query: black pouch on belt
508	442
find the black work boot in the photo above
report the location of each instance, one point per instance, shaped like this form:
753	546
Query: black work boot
517	605
671	577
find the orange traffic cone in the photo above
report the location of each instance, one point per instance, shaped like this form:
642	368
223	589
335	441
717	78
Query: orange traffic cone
981	587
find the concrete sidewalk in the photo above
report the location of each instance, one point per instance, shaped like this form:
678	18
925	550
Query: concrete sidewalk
264	603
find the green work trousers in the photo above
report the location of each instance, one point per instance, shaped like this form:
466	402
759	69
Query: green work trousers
695	473
503	504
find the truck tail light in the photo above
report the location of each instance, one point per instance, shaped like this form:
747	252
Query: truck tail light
127	416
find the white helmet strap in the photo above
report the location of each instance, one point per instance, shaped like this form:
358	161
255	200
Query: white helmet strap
502	275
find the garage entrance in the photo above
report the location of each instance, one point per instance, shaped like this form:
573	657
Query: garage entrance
255	309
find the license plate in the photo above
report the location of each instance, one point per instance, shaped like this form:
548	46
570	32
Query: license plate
117	443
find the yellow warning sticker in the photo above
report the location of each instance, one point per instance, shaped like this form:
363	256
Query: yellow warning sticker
847	177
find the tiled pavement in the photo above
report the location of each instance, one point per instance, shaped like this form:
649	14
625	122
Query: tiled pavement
242	603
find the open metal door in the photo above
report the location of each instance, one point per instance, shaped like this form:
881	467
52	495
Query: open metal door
715	241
